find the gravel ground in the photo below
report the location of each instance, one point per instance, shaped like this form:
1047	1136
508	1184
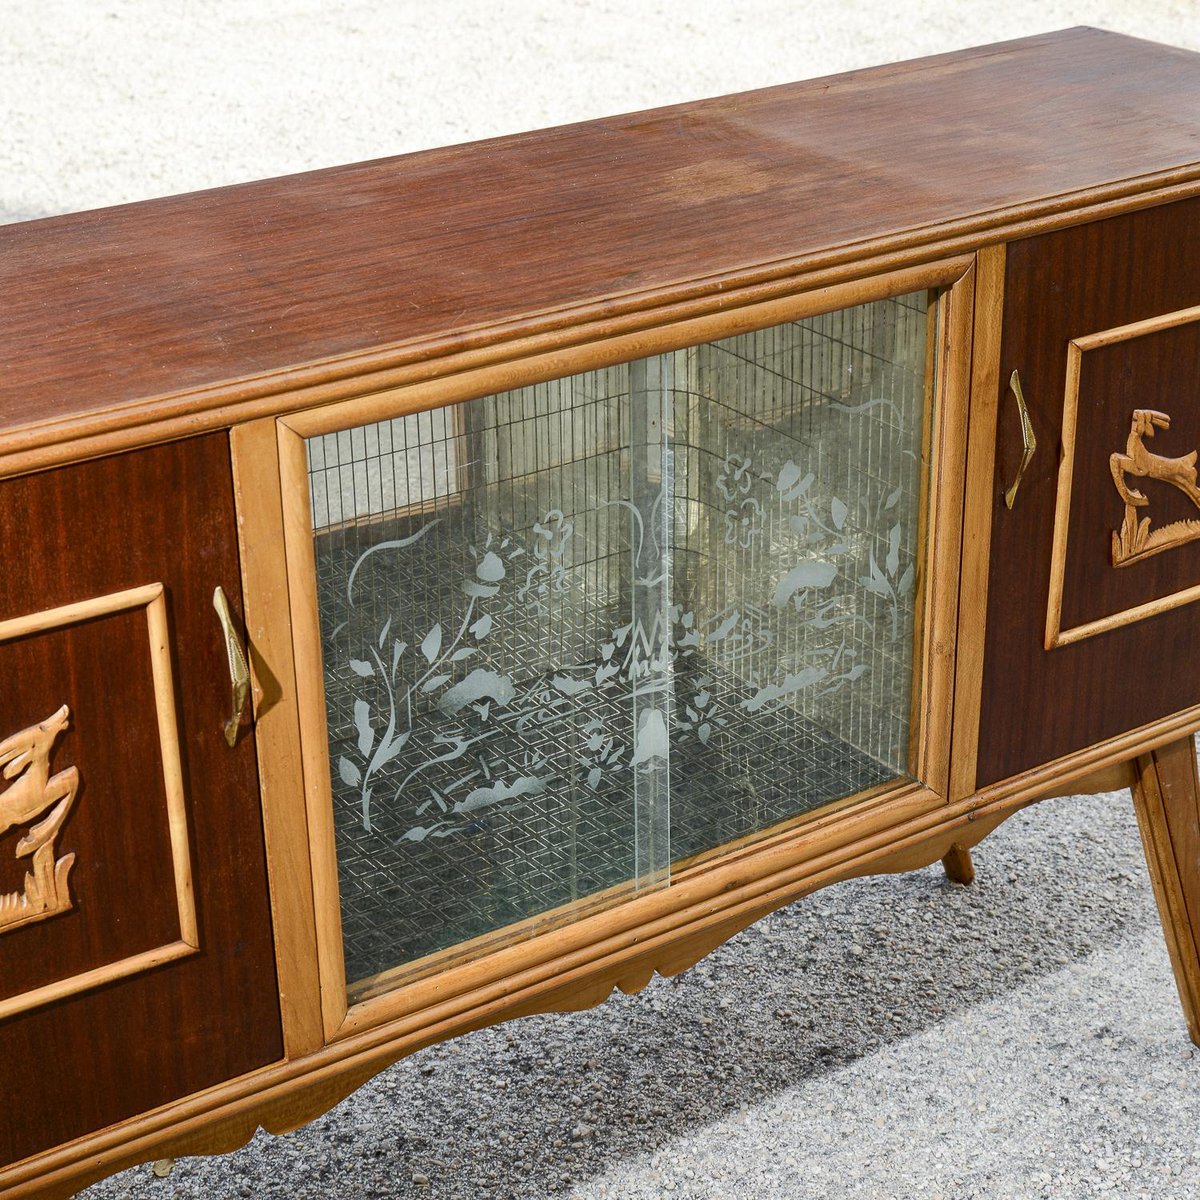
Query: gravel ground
895	1037
889	1038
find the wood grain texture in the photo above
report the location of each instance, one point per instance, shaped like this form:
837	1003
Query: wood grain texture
115	306
277	732
1107	779
1166	796
117	913
1039	705
1141	395
943	459
305	629
169	733
527	361
77	968
214	1014
977	517
1094	768
95	977
38	800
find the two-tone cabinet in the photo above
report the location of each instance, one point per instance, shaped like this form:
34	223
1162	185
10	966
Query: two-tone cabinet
450	587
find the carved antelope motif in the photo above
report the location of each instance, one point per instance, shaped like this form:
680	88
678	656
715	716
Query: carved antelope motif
1134	540
1139	461
42	801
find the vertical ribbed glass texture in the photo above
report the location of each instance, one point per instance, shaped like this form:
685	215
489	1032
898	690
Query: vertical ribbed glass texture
580	631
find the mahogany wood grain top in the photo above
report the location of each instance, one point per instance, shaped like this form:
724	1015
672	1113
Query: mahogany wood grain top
109	309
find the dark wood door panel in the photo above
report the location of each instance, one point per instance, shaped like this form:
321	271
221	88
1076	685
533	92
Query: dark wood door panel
1040	704
1156	371
121	881
159	516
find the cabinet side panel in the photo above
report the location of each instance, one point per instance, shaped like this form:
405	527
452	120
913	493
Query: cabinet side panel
80	1064
1040	704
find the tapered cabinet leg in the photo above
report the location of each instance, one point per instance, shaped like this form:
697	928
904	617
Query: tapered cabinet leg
958	865
1166	795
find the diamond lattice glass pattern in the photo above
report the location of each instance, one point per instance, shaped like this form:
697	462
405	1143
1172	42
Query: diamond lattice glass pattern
580	631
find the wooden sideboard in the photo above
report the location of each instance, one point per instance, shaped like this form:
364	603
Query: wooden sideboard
452	587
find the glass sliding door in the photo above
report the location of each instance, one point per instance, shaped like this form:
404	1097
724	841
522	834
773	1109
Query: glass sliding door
797	490
578	631
497	724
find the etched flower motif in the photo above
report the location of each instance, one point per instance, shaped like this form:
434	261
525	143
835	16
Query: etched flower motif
489	568
744	524
735	478
452	771
552	537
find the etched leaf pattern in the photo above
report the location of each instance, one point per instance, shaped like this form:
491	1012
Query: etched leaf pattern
832	564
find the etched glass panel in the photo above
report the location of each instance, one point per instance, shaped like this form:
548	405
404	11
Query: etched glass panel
497	732
580	630
797	487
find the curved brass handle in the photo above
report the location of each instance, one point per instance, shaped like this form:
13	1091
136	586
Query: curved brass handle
1027	438
239	669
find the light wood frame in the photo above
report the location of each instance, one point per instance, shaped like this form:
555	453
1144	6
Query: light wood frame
152	601
1076	348
979	506
324	1005
665	931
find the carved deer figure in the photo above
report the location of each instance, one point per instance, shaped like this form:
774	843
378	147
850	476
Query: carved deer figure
1141	462
25	757
37	796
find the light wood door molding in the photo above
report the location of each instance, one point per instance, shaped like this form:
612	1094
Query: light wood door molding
981	498
276	731
150	599
1124	541
342	1014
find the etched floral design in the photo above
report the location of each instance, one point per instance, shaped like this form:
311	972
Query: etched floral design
744	516
735	478
744	524
444	715
548	573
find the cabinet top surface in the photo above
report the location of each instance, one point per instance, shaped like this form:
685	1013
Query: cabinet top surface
107	310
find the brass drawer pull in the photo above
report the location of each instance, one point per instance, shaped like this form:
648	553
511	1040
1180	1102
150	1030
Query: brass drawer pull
239	670
1027	438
